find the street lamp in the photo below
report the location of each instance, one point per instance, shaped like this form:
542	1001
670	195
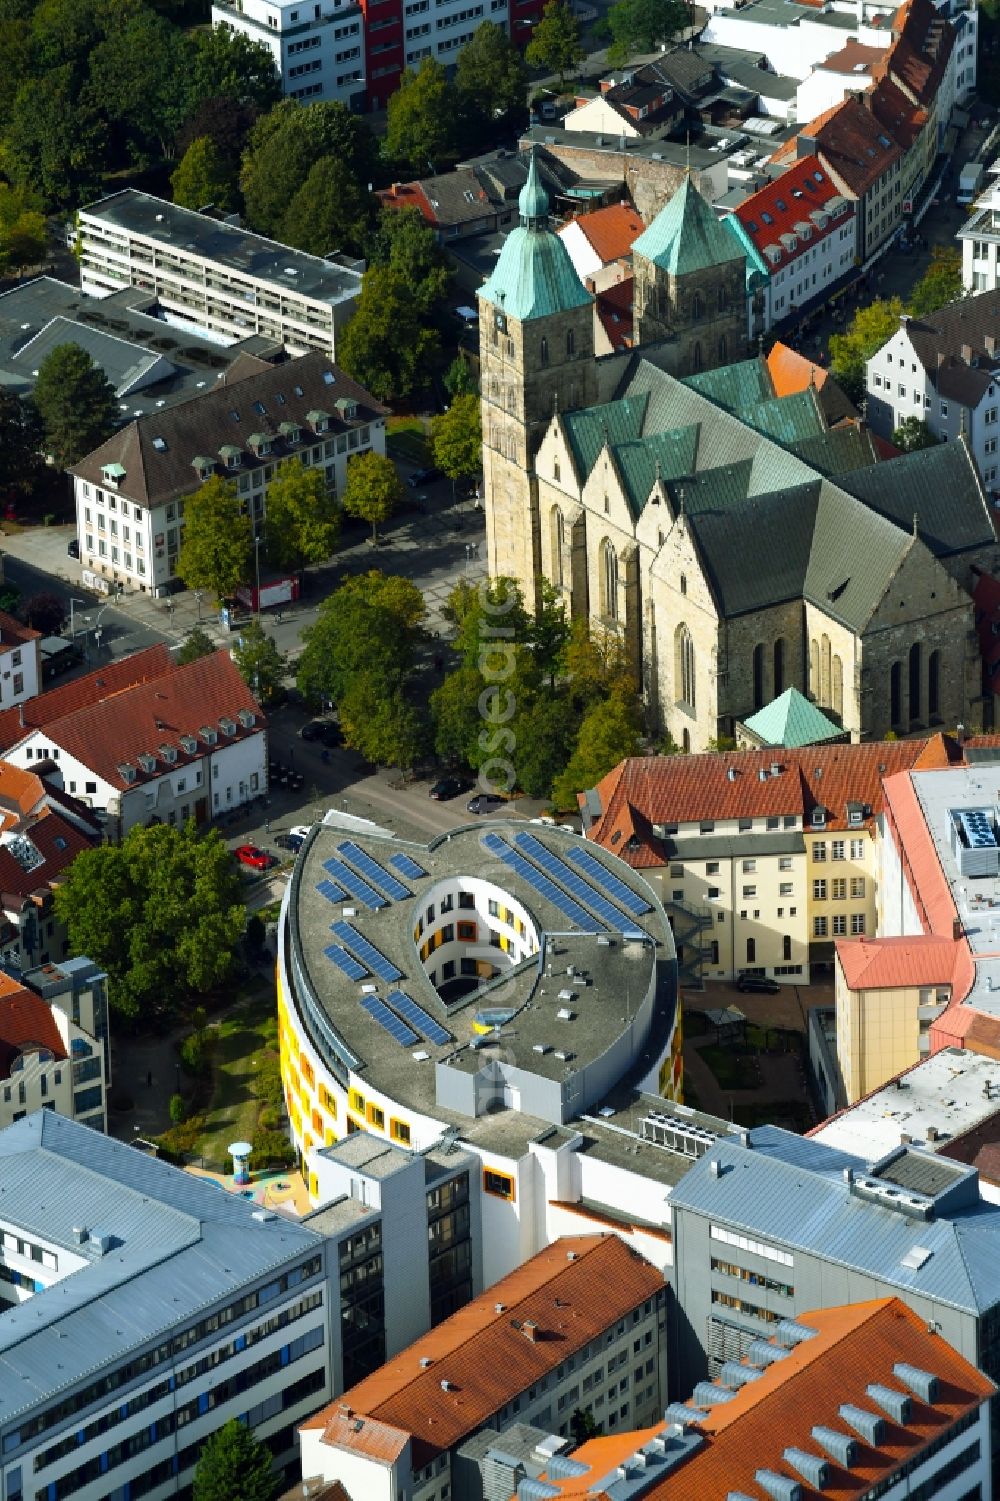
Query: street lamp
256	549
197	595
72	624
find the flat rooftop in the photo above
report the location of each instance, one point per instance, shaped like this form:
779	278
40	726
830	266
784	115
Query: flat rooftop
706	149
790	13
149	364
227	245
947	1094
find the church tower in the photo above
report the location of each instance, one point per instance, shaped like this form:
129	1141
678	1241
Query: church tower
536	354
691	285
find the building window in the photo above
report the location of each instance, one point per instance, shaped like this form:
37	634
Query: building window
839	925
609	581
778	686
684	666
500	1185
914	665
857	922
895	693
758	677
933	682
751	950
819	851
544	351
819	891
819	927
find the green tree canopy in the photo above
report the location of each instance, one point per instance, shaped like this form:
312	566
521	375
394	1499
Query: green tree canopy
161	912
491	79
458	378
234	1466
227	125
457	718
21	442
608	733
371	625
867	331
54	141
218	539
642	25
302	522
44	612
475	609
912	434
139	82
545	731
457	439
76	404
373	490
380	723
387	344
197	643
555	42
421	119
228	64
259	662
331	210
283	147
405	246
941	282
201	177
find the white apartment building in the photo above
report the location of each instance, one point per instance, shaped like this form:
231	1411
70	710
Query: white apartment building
20	662
212	277
178	1307
979	238
318	46
944	370
130	492
48	1060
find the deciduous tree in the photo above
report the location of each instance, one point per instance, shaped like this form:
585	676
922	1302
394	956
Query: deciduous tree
555	42
387	344
197	643
941	282
642	25
422	119
139	82
302	523
458	379
201	177
490	78
21	442
373	490
405	245
608	733
457	439
259	662
912	434
75	402
331	210
228	64
218	539
44	612
234	1466
370	625
161	913
54	141
286	143
867	331
380	723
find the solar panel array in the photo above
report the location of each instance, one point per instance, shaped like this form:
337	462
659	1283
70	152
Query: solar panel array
411	1012
592	867
374	871
540	883
407	867
330	891
580	888
345	961
366	952
387	1019
353	883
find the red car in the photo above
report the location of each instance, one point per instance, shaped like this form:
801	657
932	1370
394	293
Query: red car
249	854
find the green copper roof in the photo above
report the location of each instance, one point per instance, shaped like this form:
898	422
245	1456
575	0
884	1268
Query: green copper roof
739	387
686	235
758	269
675	454
787	419
533	201
534	276
588	429
792	721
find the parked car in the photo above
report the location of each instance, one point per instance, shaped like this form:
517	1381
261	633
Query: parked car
250	854
759	984
293	842
73	547
485	802
422	477
325	731
449	787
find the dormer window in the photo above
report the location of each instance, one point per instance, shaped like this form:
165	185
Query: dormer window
347	408
291	432
247	718
319	421
227	726
127	771
209	734
230	455
259	444
203	466
147	762
819	818
112	474
188	744
169	754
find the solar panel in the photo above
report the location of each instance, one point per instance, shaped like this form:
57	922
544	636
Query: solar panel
354	884
411	1012
574	883
345	961
330	891
407	867
392	1024
629	899
541	884
374	871
366	952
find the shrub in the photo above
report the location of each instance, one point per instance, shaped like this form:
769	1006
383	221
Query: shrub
195	1051
178	1109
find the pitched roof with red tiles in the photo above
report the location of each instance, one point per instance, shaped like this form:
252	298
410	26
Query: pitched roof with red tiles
649	790
118	728
614	308
898	963
787	204
610	231
570	1292
15	633
26	1024
902	119
854	58
919	57
851	144
407	195
58	842
851	1349
141	667
791	372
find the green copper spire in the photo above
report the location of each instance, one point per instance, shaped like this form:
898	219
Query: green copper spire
534	276
533	202
687	235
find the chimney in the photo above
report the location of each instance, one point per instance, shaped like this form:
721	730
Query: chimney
20	715
805	145
932	1133
905	1138
530	1331
395	190
940	359
966	354
956	928
346	1410
990	343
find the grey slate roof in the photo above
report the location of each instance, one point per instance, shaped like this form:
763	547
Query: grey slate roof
940	486
767	564
965	323
791	1190
180	1245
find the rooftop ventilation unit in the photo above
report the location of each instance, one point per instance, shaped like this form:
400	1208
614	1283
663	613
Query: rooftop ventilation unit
974	841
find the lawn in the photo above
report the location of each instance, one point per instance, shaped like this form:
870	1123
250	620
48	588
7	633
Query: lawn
732	1070
407	440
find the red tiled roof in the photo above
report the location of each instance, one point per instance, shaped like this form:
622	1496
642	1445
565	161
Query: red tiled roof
58	841
14	632
407	195
119	727
363	1435
614	308
854	57
571	1292
851	143
788	201
791	372
610	231
893	110
919	56
26	1021
887	963
142	666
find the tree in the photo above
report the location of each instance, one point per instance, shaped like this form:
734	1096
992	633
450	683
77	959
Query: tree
21	441
329	212
218	539
23	233
421	118
458	379
490	77
234	1466
478	610
555	42
867	331
55	141
405	245
941	283
596	663
259	662
177	1109
230	65
283	147
75	402
45	613
302	522
370	625
457	717
642	25
545	731
227	126
549	632
609	733
387	345
197	643
138	82
378	721
201	177
373	490
457	439
913	434
161	913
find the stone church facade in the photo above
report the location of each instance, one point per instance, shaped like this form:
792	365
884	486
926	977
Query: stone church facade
738	543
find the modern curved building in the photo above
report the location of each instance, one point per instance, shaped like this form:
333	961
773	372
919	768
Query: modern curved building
488	989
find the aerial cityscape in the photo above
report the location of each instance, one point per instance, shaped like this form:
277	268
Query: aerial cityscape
499	750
